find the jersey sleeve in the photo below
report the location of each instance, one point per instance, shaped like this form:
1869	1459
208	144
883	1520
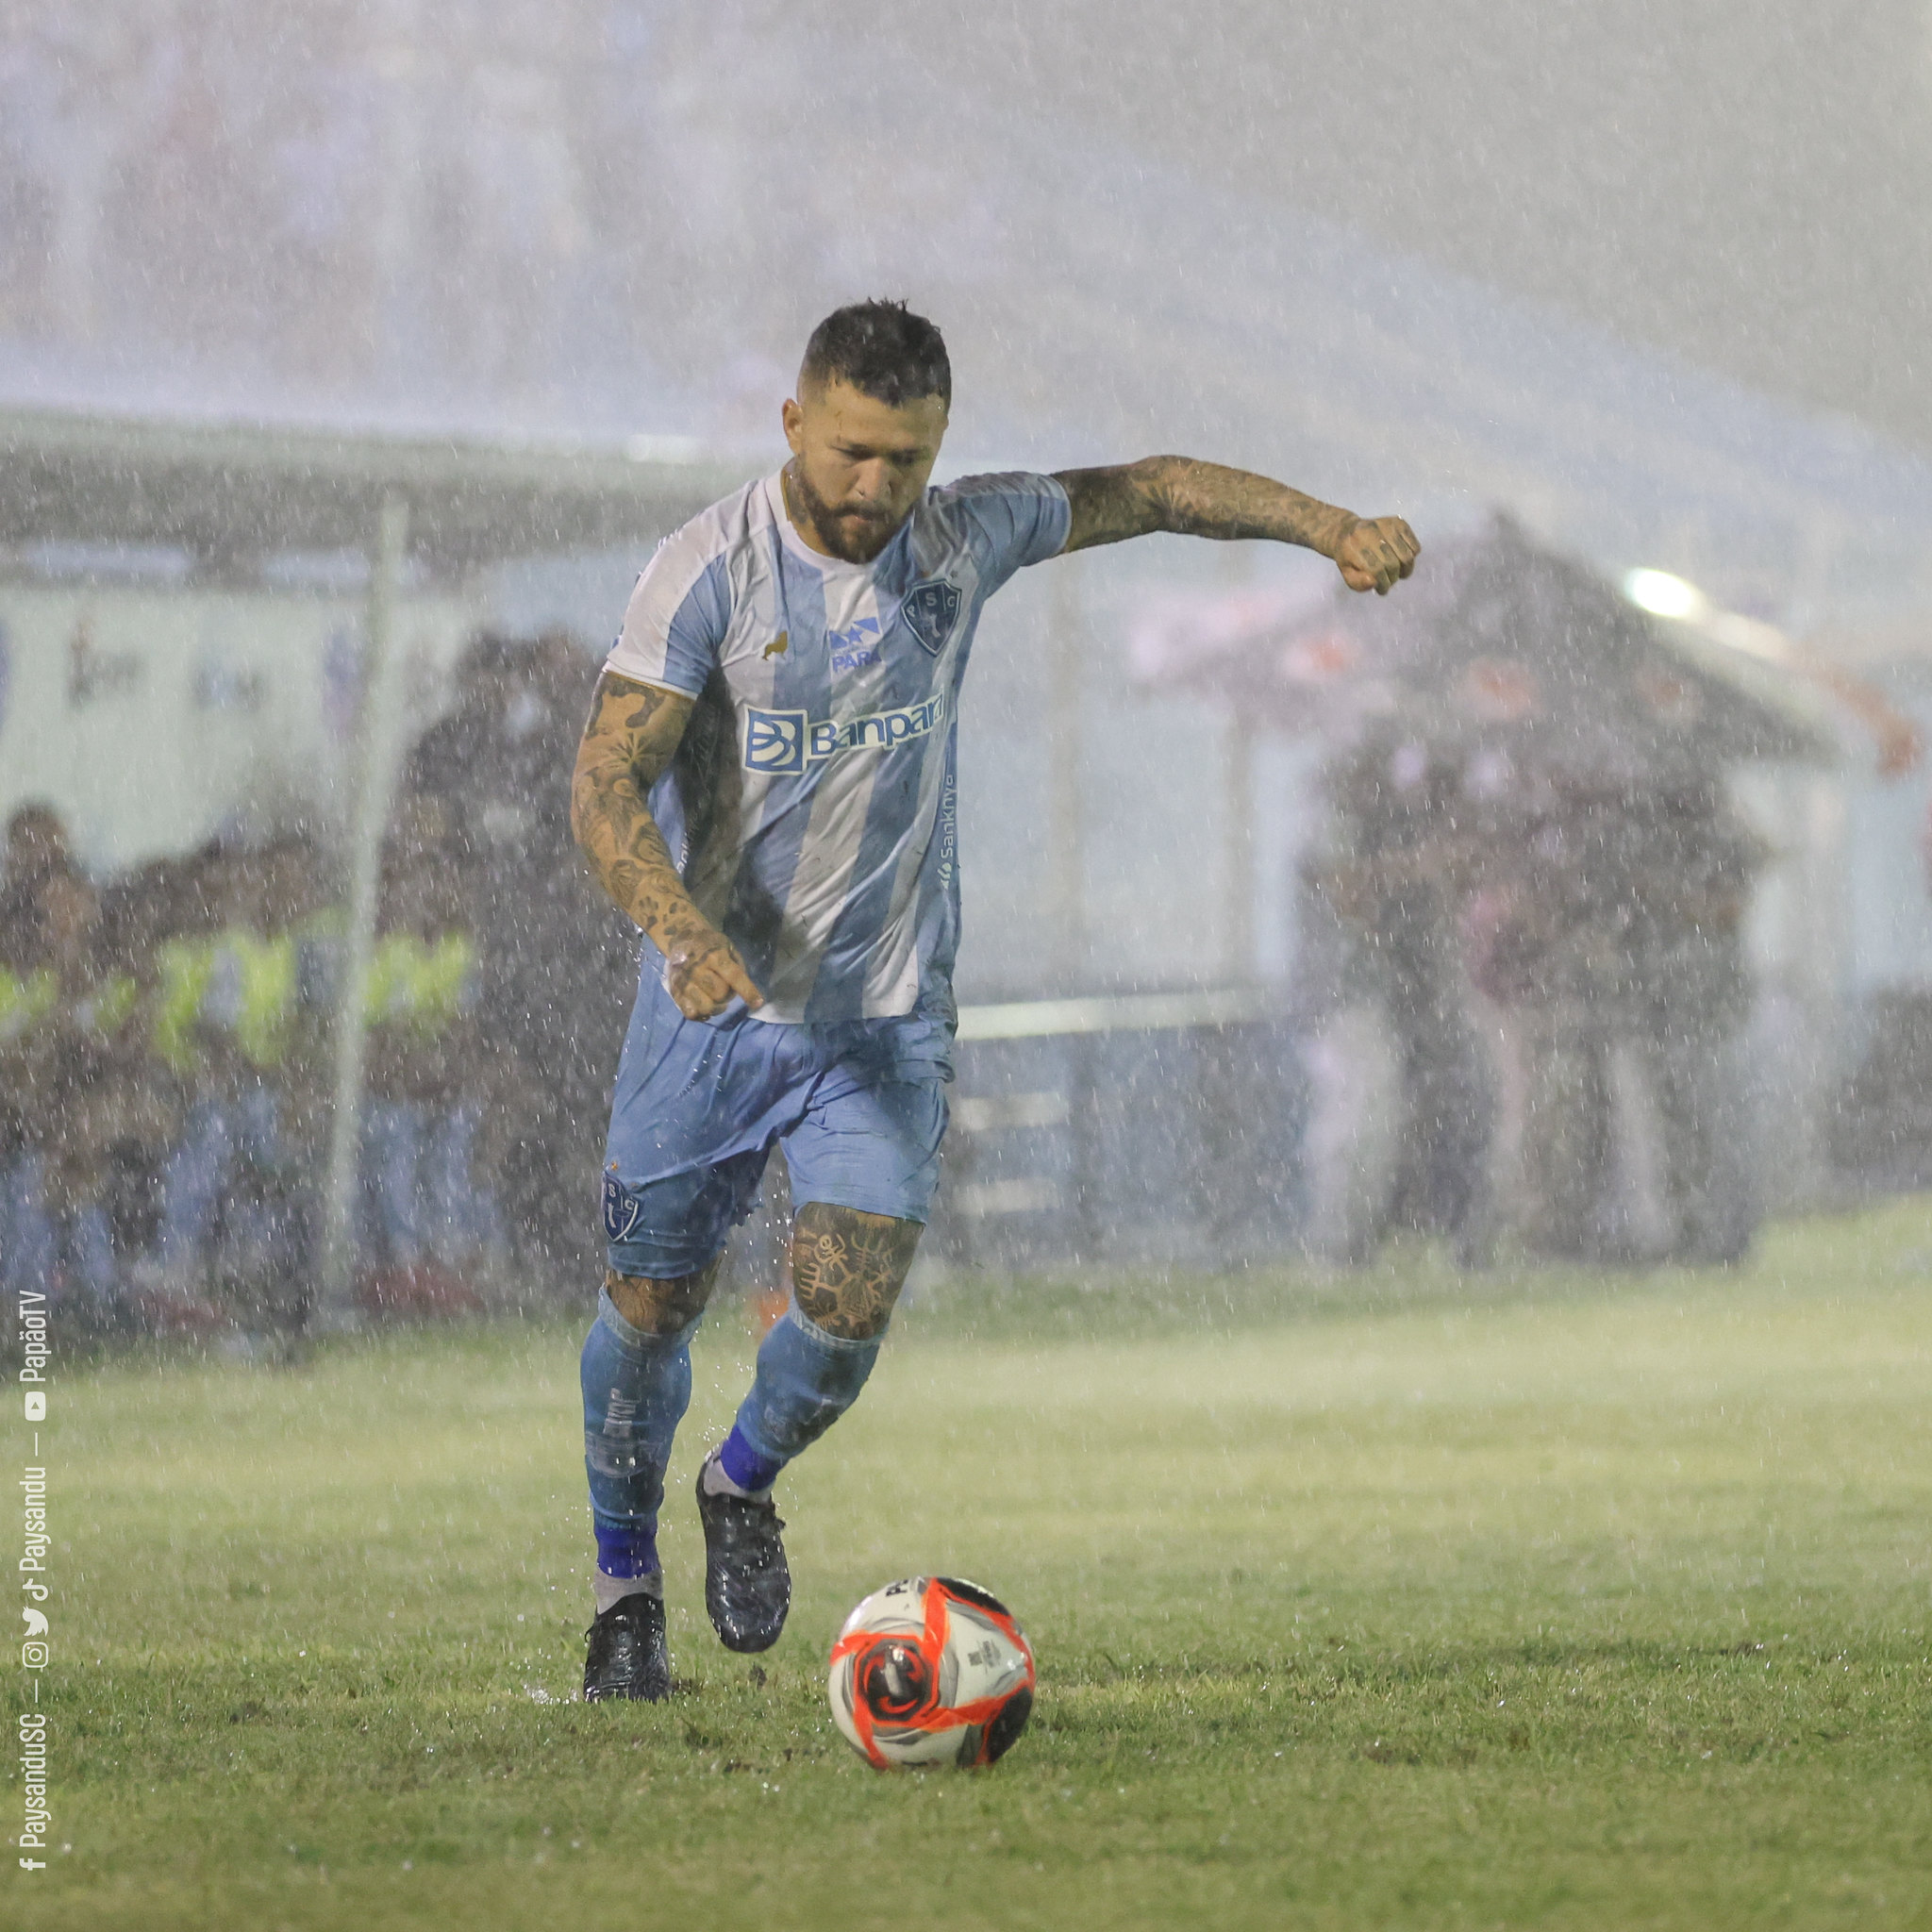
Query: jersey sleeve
1019	518
674	625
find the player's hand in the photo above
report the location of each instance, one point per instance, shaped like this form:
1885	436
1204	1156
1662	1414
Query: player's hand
1376	552
707	975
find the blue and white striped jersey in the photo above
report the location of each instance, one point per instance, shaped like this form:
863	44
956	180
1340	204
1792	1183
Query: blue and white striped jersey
812	805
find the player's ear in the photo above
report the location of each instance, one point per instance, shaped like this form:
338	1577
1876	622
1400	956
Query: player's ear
792	416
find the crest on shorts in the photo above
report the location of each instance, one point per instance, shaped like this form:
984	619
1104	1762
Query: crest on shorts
621	1209
930	611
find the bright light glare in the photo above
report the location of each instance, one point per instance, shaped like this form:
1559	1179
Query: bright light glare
1658	591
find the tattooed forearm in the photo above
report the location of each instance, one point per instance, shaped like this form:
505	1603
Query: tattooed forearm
627	745
847	1267
1197	499
632	734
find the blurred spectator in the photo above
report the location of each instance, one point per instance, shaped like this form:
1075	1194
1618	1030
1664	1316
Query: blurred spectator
195	1003
37	853
147	1099
556	964
66	1018
1615	918
237	1198
427	1224
1405	852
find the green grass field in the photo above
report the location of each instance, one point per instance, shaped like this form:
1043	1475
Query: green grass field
1533	1599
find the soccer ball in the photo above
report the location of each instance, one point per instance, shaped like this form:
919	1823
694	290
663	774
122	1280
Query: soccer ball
931	1670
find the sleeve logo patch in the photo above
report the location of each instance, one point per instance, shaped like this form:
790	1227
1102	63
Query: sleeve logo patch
930	611
788	743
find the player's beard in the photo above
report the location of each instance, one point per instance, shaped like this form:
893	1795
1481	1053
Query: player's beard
853	535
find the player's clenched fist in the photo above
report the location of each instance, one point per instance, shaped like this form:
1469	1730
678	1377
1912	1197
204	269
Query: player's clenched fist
1376	552
707	975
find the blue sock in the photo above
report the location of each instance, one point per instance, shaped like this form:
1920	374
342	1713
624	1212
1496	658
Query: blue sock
744	1465
636	1386
807	1380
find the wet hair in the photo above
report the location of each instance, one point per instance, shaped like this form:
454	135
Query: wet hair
883	350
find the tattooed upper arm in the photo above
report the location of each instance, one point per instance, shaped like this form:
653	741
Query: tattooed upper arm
1109	506
633	727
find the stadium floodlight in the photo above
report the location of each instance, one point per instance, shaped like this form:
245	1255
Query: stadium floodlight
1664	595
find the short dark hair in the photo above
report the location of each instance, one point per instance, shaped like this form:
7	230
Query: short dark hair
881	348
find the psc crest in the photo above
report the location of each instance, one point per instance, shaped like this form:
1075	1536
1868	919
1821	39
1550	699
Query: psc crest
930	611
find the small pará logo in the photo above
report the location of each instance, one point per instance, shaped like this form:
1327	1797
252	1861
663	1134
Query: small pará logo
930	612
36	1622
779	644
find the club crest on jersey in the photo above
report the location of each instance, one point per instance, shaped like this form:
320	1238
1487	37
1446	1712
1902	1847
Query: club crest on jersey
930	611
786	744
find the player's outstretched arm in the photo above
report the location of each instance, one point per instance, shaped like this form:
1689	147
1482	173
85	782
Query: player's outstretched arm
1197	499
627	746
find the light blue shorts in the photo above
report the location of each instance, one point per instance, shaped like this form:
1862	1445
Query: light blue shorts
860	1107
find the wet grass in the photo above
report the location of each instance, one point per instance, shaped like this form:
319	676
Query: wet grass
1557	1601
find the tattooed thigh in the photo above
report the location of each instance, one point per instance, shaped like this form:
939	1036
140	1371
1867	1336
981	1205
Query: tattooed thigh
848	1267
660	1307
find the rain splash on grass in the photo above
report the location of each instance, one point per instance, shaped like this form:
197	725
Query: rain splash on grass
1401	1599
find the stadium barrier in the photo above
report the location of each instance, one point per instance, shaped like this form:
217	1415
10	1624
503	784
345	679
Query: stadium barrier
1155	1128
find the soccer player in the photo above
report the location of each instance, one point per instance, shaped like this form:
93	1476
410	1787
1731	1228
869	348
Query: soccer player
766	787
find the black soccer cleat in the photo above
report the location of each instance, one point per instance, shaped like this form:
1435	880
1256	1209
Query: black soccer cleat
747	1586
629	1657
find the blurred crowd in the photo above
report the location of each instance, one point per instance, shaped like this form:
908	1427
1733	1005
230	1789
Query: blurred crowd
168	1039
1563	949
478	201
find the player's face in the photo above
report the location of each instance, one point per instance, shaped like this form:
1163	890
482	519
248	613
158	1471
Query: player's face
861	465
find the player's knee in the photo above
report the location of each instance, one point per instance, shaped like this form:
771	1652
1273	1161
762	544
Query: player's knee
866	1325
848	1267
660	1307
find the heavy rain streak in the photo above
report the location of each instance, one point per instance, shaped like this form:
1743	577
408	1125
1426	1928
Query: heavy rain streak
1274	940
